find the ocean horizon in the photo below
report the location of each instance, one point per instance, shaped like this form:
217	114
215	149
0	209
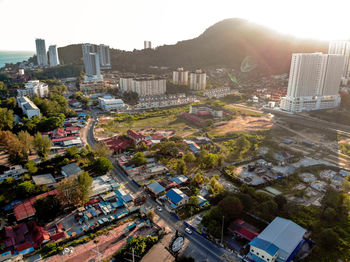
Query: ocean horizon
14	57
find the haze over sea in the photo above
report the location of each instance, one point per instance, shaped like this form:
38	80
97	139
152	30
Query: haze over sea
14	56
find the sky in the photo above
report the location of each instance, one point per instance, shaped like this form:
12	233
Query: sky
125	24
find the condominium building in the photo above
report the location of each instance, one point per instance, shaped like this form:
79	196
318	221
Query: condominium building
28	107
180	77
314	82
34	88
41	55
341	48
143	86
198	80
53	55
105	58
147	44
91	63
108	104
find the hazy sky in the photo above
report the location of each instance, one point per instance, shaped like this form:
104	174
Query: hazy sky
125	24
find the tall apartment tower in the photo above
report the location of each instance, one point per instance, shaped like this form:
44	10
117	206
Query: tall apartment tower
91	63
314	82
53	57
105	58
198	80
180	77
147	44
41	52
341	48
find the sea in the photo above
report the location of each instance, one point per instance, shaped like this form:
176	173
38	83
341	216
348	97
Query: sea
14	56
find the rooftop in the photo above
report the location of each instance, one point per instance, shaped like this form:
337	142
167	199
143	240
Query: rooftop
176	195
71	169
156	188
44	179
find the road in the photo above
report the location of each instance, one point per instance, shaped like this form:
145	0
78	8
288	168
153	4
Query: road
199	248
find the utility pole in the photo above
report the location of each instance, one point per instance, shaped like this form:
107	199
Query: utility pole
133	256
222	229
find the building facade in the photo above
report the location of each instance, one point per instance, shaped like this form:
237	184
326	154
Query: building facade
198	80
91	63
314	82
143	86
34	88
180	77
105	57
41	55
341	48
28	107
147	44
53	55
108	104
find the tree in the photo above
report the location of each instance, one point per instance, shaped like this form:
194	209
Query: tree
9	103
27	141
102	165
101	149
181	167
194	201
6	119
31	167
329	239
215	187
330	215
26	189
15	148
139	159
151	214
246	200
84	187
47	208
143	146
42	145
72	152
281	201
198	178
68	192
189	158
231	206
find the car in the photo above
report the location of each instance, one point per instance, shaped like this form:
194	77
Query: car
188	231
159	208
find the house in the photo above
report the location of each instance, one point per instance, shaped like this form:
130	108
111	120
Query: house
180	179
168	184
243	229
28	107
118	144
137	137
15	172
176	197
155	189
26	209
193	146
44	180
202	201
71	169
279	241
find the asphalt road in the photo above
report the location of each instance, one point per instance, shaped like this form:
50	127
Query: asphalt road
199	248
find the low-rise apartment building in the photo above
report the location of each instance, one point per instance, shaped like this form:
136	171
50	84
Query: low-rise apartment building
28	107
34	88
109	104
145	86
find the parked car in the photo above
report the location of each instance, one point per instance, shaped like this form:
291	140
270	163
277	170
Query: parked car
159	208
188	231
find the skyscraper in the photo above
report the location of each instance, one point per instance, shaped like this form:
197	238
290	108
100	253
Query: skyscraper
91	63
147	44
105	59
314	82
198	80
180	77
53	55
341	48
41	52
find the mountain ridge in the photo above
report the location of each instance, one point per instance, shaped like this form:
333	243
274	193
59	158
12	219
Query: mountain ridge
225	43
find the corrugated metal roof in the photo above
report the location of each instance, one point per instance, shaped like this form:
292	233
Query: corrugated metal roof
156	188
268	247
283	233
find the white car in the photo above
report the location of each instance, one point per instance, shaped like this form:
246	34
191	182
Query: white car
159	208
188	231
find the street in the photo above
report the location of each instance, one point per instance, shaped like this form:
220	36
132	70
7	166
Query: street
199	247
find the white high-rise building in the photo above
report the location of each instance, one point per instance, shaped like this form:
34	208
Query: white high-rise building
143	86
34	88
341	48
314	82
198	80
180	77
105	58
53	55
147	44
41	52
91	63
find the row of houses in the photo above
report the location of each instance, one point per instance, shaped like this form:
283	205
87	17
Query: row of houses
147	102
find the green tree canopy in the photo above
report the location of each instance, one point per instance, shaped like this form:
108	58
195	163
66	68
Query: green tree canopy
6	119
139	159
47	208
102	150
31	167
102	165
42	145
85	187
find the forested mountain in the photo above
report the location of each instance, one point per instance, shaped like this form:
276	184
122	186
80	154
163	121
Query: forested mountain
225	43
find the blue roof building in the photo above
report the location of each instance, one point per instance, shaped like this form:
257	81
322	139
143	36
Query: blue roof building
176	197
155	188
279	241
179	179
